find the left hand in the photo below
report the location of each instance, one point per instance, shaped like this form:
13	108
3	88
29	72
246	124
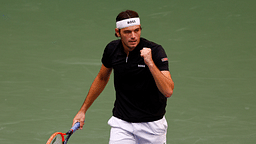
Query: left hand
147	55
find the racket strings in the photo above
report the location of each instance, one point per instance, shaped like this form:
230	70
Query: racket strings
57	139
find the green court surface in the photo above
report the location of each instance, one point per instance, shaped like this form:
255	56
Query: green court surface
50	53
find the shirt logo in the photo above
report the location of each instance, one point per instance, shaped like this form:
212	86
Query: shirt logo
139	65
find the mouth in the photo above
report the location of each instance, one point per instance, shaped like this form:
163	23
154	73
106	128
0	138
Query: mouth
133	42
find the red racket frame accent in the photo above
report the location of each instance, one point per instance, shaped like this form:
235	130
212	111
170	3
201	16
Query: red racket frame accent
53	135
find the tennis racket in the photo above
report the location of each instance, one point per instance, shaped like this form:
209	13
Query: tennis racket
58	137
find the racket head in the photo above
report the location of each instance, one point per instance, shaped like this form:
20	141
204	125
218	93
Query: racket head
56	138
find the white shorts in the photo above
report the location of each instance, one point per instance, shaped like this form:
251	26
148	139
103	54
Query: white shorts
123	132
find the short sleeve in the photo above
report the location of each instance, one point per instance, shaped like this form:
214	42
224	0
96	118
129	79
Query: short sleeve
160	58
106	61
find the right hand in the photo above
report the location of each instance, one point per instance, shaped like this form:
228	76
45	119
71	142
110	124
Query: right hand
80	117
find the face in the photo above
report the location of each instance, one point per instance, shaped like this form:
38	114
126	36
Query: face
130	36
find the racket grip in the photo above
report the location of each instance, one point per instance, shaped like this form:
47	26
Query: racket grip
75	127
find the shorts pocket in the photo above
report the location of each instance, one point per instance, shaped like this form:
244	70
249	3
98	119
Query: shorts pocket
159	127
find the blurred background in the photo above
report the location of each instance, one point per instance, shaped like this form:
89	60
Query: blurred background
50	52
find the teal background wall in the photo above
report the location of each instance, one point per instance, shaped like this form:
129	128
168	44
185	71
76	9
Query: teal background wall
50	53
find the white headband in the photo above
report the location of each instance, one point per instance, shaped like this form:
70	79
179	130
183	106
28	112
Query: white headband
127	22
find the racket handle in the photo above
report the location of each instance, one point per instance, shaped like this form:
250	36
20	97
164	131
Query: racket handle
75	127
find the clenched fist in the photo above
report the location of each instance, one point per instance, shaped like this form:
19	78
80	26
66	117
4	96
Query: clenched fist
147	55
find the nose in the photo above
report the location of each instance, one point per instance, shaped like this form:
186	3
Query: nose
132	35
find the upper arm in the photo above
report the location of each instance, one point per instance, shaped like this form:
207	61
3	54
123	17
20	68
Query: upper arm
104	73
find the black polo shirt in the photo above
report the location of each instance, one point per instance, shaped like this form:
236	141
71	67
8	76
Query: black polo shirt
137	96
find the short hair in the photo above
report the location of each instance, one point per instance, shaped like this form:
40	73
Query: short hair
125	15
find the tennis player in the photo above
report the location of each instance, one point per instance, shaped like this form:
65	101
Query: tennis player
142	83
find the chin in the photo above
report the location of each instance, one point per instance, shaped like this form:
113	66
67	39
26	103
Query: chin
132	47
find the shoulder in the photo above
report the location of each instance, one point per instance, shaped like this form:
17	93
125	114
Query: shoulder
113	44
149	44
112	48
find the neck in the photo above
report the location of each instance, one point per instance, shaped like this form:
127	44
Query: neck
127	49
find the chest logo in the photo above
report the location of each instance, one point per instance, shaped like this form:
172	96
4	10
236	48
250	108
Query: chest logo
140	65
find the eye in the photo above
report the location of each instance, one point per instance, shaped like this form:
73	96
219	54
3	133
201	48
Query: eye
127	32
136	30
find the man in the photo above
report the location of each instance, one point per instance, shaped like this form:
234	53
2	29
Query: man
142	83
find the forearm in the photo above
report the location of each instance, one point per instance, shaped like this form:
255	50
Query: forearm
162	79
96	88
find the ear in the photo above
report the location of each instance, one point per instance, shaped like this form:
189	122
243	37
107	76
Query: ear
117	32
